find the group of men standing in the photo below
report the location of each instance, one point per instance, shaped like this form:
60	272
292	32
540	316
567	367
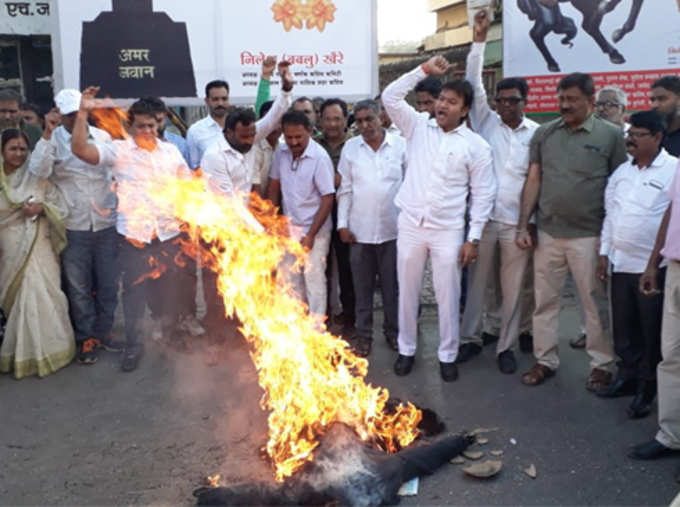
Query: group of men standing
586	194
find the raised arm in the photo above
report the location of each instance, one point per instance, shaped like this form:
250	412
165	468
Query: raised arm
264	126
394	96
480	109
42	158
264	86
80	146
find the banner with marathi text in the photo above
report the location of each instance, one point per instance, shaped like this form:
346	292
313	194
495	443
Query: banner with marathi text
172	48
626	43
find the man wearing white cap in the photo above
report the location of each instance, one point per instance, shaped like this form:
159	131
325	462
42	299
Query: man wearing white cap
88	262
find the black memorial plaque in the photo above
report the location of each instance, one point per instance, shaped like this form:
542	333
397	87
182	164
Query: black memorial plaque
133	51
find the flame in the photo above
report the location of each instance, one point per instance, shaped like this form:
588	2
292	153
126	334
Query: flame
213	480
157	270
310	378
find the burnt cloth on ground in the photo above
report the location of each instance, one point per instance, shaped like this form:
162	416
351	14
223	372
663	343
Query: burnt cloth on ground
346	471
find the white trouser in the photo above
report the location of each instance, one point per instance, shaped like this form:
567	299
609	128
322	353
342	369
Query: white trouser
310	285
414	243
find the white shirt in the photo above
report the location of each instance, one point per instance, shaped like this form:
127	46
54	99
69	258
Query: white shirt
86	188
635	202
442	166
200	136
510	147
138	173
303	183
229	171
370	182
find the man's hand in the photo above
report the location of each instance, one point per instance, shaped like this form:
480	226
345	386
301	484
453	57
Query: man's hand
52	121
602	265
307	241
346	235
268	66
648	282
437	66
467	254
32	209
524	239
481	26
286	76
87	100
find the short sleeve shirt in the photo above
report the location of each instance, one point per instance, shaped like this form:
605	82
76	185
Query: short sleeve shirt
303	183
575	167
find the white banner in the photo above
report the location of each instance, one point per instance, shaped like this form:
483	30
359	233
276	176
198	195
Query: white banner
25	17
173	48
623	42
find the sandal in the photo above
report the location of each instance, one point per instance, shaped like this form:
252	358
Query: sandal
537	375
362	346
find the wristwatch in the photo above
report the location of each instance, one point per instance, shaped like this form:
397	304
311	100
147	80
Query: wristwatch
474	241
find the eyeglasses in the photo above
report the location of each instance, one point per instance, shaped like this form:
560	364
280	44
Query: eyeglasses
608	104
511	101
638	135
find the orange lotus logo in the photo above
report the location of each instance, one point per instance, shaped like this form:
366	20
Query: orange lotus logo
295	13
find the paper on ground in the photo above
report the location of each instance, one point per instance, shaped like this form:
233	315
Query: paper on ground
409	488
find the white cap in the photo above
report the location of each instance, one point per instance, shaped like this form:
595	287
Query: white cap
68	101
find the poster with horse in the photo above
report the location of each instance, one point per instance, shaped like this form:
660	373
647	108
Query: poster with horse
625	43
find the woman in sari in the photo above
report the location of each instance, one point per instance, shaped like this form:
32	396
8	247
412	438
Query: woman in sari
38	337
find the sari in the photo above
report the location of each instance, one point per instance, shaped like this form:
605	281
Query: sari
38	338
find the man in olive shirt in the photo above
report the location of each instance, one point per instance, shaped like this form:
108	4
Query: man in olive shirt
570	161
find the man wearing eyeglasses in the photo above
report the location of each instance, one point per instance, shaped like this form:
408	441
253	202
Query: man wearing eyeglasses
636	199
610	105
509	133
302	172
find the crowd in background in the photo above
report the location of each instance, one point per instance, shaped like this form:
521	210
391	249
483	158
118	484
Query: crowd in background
503	208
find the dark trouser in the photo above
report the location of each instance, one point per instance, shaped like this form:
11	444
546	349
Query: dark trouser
636	324
164	295
367	262
215	320
345	279
90	277
187	280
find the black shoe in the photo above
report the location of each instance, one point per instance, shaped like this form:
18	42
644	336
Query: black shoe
579	342
620	387
506	362
112	346
467	351
488	338
392	342
449	371
651	450
641	406
526	343
87	351
403	365
130	359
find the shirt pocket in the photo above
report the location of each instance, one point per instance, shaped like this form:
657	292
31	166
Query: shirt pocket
454	168
648	194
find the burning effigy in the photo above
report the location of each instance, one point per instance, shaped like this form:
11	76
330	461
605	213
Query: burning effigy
314	387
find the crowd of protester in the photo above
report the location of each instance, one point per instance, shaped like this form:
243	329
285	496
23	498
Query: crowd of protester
484	193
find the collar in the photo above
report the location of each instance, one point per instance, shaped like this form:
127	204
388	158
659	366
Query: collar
587	124
305	154
460	129
387	140
658	161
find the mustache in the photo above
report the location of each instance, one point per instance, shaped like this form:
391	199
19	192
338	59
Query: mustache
566	111
631	144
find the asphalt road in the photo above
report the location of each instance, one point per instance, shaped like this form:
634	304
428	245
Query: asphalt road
95	436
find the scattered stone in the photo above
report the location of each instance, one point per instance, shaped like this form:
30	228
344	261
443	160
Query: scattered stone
496	452
530	471
473	455
482	440
513	441
458	460
485	469
478	431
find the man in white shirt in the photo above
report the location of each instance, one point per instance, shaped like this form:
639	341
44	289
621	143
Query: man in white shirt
302	172
145	232
610	105
509	133
229	168
371	169
208	130
88	262
446	163
636	199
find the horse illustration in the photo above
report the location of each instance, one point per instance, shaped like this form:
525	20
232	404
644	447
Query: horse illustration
548	17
